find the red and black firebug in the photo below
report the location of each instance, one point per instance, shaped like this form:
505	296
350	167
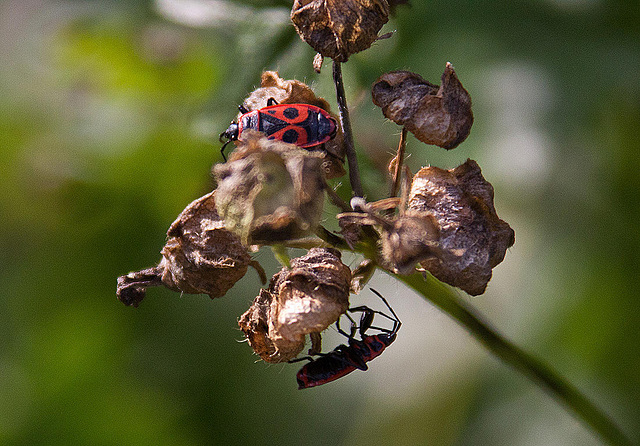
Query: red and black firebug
304	125
345	359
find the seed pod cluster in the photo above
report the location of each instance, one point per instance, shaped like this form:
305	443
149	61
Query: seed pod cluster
435	115
339	28
283	91
461	202
270	191
200	256
302	300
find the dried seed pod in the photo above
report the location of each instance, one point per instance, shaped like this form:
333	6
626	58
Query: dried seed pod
412	238
435	115
255	325
200	256
270	191
403	240
339	28
461	201
309	296
296	92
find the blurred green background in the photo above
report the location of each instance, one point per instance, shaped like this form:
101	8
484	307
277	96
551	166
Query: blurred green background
109	116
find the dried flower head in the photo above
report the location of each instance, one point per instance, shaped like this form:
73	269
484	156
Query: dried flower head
303	300
200	256
339	28
311	295
461	201
255	325
435	115
270	191
296	92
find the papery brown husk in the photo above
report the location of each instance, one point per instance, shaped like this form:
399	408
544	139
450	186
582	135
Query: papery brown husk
296	92
412	238
403	240
311	295
270	191
339	28
461	201
255	325
302	300
200	256
435	115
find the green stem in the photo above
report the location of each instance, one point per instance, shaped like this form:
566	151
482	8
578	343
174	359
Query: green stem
345	121
536	370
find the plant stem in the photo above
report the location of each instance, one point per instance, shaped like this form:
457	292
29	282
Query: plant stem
533	368
350	149
397	174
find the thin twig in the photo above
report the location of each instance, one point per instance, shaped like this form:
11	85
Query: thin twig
335	198
397	174
533	368
354	174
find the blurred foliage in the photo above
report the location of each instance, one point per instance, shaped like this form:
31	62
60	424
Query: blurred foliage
109	116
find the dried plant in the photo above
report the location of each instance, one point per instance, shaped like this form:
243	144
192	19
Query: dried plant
443	226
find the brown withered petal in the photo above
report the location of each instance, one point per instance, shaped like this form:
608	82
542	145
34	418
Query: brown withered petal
255	325
200	256
461	201
412	238
435	115
339	28
361	275
309	296
296	92
404	239
270	191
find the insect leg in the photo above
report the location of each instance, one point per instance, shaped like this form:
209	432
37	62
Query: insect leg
395	318
224	146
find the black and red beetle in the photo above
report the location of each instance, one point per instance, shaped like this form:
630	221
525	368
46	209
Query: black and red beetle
344	359
304	125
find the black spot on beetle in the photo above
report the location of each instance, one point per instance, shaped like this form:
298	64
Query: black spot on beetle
290	113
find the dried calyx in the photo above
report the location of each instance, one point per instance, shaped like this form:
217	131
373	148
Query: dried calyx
200	256
448	227
254	323
435	115
270	191
302	300
339	28
461	202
